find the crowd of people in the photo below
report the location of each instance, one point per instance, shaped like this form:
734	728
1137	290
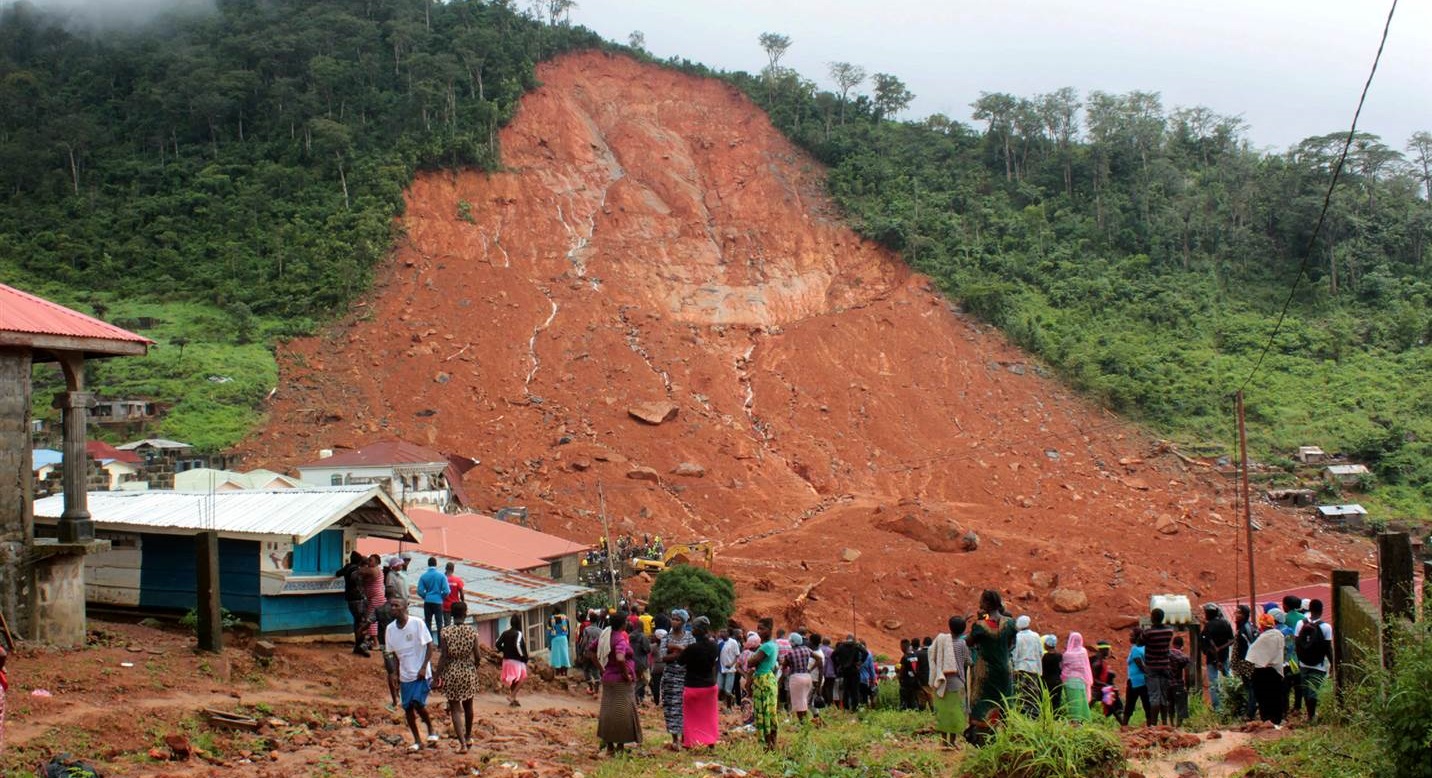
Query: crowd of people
968	677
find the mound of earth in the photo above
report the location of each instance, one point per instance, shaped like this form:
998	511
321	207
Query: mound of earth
656	297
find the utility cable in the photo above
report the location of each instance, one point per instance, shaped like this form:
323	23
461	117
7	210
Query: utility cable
1327	201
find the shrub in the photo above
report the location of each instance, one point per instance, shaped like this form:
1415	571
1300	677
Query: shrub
1046	746
1400	706
696	589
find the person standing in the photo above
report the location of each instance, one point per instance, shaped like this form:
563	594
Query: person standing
1077	677
618	720
1050	664
948	662
433	589
1136	687
455	591
4	687
730	652
587	652
797	670
409	662
1214	642
1292	671
1027	666
828	674
868	677
1266	656
1244	633
559	645
357	599
762	664
457	673
641	657
1158	639
1178	664
658	664
924	694
514	658
372	578
673	681
992	639
1314	650
905	674
700	710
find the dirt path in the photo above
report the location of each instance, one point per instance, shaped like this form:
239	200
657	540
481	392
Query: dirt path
1224	756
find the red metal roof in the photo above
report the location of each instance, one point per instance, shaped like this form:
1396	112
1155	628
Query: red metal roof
480	539
1368	587
98	449
25	313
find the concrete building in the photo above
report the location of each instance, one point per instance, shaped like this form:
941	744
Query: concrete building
42	580
1352	516
164	459
278	549
413	475
1345	475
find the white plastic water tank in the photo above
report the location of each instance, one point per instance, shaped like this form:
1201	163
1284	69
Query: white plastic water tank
1176	608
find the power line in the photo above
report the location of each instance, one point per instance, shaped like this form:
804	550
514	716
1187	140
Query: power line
1327	200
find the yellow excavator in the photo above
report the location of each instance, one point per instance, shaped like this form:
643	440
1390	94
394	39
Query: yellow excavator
701	553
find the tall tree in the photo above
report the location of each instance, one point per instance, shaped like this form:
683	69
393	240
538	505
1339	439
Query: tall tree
846	77
775	46
891	96
1421	147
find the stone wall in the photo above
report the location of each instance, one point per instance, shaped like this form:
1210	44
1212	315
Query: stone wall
16	522
1358	635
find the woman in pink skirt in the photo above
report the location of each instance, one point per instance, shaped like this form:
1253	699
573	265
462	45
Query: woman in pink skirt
700	724
514	659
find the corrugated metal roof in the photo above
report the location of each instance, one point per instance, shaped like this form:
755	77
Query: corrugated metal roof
24	312
1342	510
298	513
494	592
381	454
484	540
153	443
1347	469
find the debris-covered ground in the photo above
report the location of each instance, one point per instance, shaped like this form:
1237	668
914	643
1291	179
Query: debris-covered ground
140	702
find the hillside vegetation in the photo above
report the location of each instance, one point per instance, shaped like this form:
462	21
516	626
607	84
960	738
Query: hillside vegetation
243	168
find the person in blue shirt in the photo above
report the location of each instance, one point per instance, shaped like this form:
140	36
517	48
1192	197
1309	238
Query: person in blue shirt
433	588
868	678
1136	689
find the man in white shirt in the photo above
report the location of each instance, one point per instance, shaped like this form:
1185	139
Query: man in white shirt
408	656
730	652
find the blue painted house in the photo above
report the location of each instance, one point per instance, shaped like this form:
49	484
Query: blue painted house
278	549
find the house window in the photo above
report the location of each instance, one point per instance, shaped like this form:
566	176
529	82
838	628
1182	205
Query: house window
335	480
536	630
321	554
556	570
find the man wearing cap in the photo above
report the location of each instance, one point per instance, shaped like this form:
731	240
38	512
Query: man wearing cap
1215	640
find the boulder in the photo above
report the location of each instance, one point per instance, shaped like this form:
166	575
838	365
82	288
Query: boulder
653	412
1043	579
1166	525
970	541
643	473
936	534
849	554
1068	600
689	470
1313	559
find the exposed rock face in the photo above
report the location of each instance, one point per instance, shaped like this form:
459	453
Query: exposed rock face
652	239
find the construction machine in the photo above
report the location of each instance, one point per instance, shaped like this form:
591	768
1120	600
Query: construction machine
701	553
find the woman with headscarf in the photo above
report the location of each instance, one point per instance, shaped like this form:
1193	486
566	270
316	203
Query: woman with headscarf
559	645
992	639
618	721
1266	656
457	673
700	705
1078	677
514	659
949	660
673	681
797	666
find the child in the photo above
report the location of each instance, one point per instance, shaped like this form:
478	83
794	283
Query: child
1112	702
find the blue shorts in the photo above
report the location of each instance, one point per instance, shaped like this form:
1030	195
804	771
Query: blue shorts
414	693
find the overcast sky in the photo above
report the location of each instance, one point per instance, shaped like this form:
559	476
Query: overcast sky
1290	68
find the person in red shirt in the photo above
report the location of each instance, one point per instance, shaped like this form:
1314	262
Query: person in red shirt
455	592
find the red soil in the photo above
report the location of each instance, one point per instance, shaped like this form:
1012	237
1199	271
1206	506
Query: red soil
654	238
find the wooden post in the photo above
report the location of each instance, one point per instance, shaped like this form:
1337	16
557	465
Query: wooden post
1341	578
210	621
1426	589
607	532
1247	506
1394	570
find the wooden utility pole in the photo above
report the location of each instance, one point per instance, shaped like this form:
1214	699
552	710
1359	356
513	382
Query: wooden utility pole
1247	504
210	624
607	533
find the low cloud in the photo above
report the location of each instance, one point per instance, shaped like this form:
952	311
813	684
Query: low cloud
102	15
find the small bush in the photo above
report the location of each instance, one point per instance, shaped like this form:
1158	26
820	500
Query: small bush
227	620
1046	746
1401	710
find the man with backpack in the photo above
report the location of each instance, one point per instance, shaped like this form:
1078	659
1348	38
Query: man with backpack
1313	643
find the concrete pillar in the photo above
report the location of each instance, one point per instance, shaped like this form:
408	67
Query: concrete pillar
59	600
16	489
1340	578
75	525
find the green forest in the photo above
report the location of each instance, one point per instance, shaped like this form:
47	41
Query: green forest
234	177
